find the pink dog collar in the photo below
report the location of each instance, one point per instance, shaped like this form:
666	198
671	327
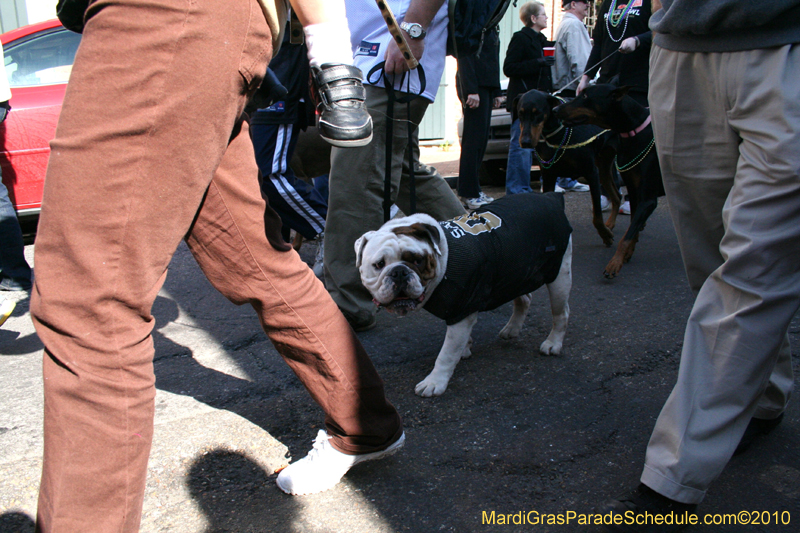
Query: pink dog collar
633	133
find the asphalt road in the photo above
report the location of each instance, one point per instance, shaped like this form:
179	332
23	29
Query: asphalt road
515	431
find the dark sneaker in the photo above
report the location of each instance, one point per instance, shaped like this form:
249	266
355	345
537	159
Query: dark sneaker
756	428
643	502
343	119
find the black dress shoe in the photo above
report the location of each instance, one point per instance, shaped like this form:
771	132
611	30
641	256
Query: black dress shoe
756	428
643	510
343	119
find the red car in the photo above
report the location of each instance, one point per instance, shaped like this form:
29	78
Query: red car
38	62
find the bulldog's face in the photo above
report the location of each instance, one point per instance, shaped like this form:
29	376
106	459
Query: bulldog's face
402	262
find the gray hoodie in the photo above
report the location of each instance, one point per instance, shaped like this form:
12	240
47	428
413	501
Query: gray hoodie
725	25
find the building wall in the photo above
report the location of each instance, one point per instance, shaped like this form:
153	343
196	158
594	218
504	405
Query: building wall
12	15
39	10
440	125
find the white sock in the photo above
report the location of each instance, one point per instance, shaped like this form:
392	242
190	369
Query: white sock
329	42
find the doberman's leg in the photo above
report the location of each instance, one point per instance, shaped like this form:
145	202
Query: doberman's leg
597	212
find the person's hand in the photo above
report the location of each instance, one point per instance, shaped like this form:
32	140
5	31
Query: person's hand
498	101
629	45
548	61
473	101
395	62
583	84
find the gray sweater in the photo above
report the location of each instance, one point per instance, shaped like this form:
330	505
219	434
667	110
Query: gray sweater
725	25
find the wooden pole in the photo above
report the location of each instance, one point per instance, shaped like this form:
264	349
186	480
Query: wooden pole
399	38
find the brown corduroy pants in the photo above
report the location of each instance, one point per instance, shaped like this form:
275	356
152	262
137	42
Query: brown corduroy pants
150	149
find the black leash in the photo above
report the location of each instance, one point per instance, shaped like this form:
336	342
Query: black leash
406	98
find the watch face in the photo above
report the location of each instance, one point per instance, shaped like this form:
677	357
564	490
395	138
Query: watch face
413	29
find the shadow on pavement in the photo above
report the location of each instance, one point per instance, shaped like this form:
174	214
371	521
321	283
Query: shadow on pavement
261	401
16	522
235	495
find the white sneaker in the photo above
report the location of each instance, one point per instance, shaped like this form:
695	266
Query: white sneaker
486	197
324	466
475	203
576	186
320	257
625	208
560	189
6	308
605	204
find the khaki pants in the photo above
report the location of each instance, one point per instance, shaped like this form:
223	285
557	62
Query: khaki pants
149	150
355	203
727	129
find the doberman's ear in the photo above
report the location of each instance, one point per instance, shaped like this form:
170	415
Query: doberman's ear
619	92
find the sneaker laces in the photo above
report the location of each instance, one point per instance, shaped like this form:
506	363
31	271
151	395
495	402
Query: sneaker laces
319	447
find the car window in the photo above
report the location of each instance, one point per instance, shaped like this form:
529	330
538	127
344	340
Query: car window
44	59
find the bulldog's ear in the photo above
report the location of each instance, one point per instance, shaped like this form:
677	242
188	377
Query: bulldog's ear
361	242
426	232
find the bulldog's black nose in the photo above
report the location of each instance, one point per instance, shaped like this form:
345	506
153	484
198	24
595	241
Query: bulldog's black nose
399	275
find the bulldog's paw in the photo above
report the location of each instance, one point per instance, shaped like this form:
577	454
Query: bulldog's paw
550	347
510	331
431	386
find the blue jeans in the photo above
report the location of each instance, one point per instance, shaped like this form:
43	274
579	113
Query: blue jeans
518	170
15	274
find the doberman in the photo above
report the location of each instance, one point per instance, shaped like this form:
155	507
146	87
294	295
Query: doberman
610	107
573	152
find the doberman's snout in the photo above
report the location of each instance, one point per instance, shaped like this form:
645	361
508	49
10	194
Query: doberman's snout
529	134
525	137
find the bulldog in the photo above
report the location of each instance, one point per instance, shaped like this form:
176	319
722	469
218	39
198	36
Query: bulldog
454	269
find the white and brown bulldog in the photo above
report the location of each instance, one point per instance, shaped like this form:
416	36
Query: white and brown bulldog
477	262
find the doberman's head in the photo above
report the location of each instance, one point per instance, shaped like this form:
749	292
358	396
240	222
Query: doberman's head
534	109
599	105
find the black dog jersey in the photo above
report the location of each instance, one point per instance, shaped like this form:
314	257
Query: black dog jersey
505	249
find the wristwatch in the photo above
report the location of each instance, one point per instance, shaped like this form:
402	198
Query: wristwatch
413	29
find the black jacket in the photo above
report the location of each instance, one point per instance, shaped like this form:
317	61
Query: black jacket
505	249
622	69
483	71
525	65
